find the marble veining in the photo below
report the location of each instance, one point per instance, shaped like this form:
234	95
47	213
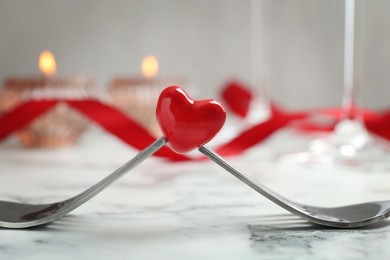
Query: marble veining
322	243
175	211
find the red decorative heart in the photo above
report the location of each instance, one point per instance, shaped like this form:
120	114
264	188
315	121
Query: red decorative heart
186	123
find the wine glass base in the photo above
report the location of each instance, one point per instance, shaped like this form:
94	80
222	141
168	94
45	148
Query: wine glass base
350	145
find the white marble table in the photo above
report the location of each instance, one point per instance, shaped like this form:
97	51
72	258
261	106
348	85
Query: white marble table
182	211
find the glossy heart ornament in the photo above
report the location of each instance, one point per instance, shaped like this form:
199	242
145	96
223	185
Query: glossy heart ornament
187	123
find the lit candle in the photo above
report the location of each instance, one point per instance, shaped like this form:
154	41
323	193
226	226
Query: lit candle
137	95
61	126
47	64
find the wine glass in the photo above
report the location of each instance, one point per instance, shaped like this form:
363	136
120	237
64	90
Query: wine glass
350	144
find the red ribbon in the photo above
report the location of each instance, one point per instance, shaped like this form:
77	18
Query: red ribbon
120	125
237	97
22	115
376	122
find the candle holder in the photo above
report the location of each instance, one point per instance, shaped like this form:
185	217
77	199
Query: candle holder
60	126
137	97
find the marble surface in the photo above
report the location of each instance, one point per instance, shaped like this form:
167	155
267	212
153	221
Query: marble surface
163	210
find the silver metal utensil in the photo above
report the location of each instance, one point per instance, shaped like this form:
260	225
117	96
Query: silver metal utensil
23	215
349	216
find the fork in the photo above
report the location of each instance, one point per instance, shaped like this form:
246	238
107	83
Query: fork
24	215
349	216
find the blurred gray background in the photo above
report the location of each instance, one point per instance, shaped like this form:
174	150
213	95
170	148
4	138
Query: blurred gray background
291	50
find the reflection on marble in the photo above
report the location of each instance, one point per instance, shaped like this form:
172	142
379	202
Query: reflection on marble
176	211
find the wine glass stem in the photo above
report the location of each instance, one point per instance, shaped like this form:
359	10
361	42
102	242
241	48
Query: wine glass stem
350	109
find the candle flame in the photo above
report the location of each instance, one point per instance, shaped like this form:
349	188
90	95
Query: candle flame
47	63
149	66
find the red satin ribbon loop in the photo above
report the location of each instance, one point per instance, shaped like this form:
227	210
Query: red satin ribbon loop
129	131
